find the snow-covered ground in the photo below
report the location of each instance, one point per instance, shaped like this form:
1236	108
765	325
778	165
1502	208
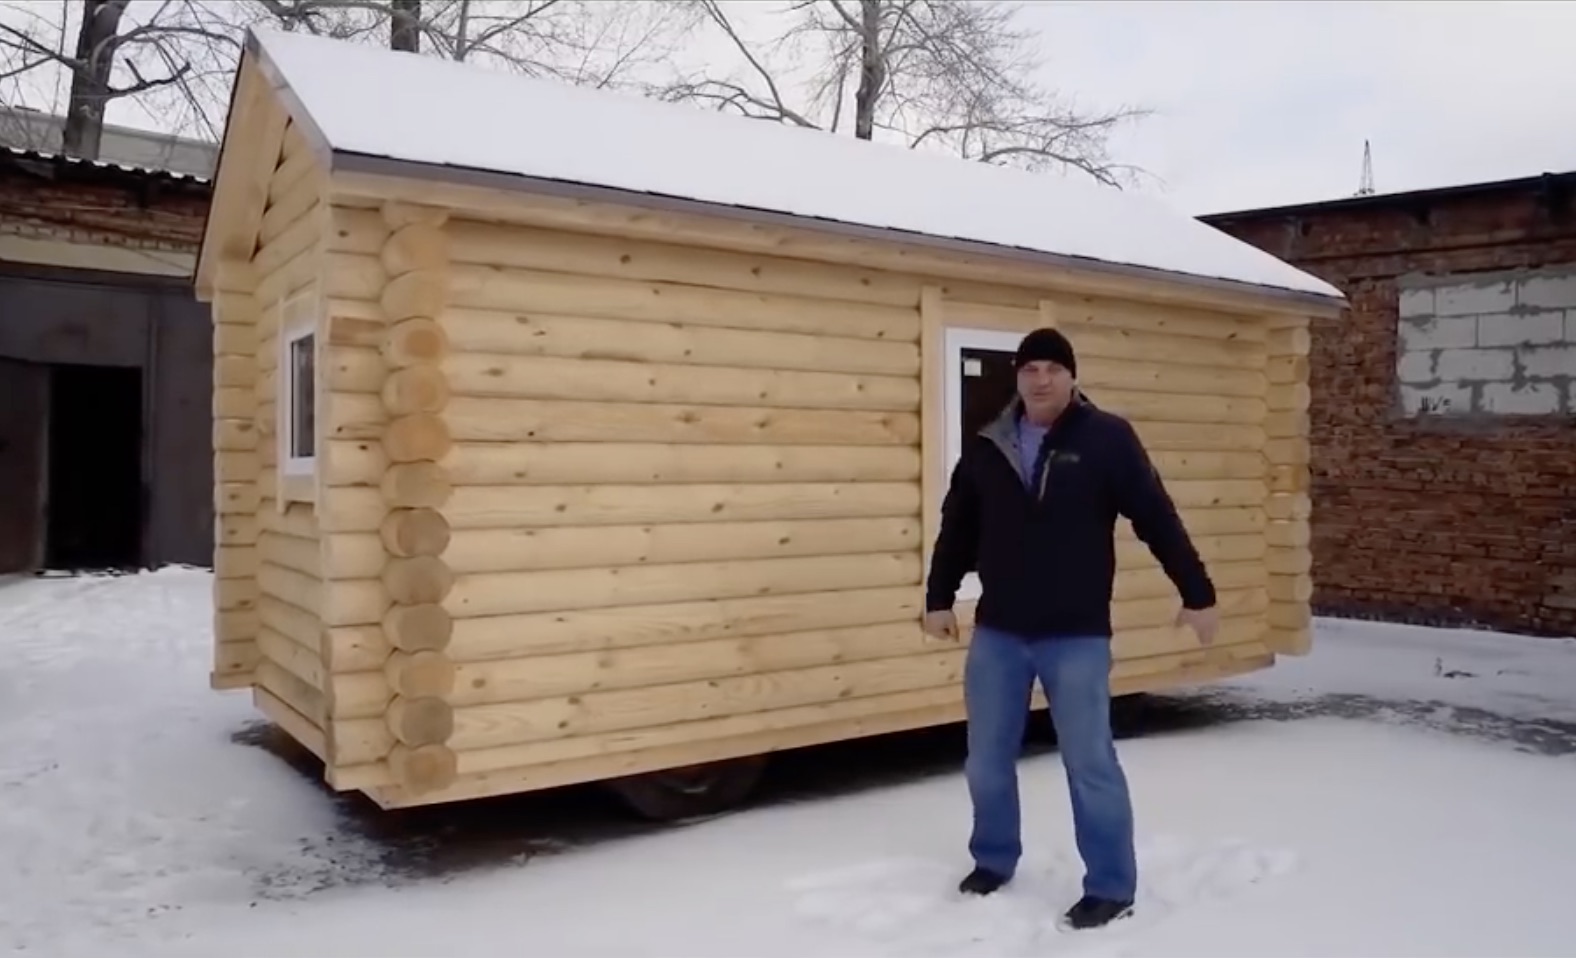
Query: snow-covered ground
1403	791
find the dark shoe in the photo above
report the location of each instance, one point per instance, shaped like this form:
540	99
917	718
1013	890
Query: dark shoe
1091	912
981	881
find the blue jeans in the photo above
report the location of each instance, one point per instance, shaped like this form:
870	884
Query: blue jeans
1075	673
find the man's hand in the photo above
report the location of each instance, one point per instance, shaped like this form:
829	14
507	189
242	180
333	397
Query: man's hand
941	624
1205	622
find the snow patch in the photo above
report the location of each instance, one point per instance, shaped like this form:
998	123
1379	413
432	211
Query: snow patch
560	132
911	906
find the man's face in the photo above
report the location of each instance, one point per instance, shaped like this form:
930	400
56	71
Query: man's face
1046	388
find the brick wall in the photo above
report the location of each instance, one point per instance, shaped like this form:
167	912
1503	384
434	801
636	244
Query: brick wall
79	203
1462	514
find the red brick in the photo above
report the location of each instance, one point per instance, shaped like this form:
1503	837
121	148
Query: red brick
76	203
1466	525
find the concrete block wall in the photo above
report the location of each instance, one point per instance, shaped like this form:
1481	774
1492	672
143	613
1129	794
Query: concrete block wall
1466	519
1492	344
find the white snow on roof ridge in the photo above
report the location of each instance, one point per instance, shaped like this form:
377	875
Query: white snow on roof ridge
428	110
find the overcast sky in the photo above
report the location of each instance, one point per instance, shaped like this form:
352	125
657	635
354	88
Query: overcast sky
1264	103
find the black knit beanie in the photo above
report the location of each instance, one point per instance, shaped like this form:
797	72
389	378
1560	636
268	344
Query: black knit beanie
1048	344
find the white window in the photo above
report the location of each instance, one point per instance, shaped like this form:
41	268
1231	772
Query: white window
297	394
979	382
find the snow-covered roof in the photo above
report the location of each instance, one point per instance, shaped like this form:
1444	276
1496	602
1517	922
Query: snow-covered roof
375	102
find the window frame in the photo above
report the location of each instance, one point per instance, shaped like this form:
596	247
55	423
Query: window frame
297	322
955	339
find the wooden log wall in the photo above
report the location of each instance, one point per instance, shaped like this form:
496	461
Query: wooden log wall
602	506
1287	478
1194	385
236	473
289	683
682	501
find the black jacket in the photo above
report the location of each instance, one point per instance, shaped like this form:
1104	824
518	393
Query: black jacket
1045	551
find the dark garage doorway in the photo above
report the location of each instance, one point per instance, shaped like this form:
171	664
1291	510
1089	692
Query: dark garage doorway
94	518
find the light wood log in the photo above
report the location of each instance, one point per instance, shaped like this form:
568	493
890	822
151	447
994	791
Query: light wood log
1292	397
541	677
1289	535
416	437
1076	315
416	246
294	724
1290	588
1290	340
581	630
418	628
417	581
516	420
1286	424
624	463
561	590
489	244
1131	375
423	769
291	656
1294	506
290	552
423	674
595	380
1184	437
503	507
529	290
620	710
417	722
356	326
520	550
486	332
1288	561
413	532
413	342
1290	616
236	466
355	648
416	295
1177	407
416	389
416	485
1289	641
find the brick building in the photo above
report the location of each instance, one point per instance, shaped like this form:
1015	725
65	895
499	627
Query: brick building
105	367
1444	404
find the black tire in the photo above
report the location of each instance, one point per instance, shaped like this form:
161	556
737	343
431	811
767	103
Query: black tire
693	791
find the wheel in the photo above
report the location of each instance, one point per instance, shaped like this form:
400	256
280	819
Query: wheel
691	791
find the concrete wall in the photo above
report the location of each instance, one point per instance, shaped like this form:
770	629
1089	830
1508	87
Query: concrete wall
1492	344
1464	514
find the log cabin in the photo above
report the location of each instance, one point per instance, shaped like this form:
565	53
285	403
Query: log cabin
565	436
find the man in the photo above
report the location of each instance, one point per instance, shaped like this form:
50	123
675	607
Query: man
1032	507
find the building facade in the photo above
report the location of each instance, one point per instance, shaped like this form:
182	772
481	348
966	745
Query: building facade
105	368
1444	404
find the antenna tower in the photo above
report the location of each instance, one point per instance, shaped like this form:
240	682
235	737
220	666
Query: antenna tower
1366	187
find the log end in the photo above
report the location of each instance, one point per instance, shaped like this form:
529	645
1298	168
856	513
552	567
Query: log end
421	436
418	675
423	769
418	628
416	722
416	485
414	532
419	580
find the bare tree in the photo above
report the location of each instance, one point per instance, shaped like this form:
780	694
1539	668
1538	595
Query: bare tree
591	42
949	74
175	56
175	59
405	26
